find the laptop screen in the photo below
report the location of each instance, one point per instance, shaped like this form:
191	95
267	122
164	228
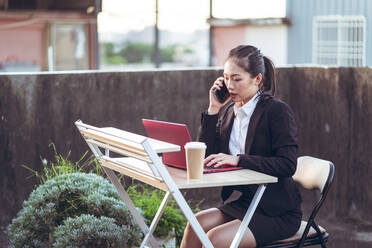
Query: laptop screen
172	133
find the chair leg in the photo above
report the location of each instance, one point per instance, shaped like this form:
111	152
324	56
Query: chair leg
320	237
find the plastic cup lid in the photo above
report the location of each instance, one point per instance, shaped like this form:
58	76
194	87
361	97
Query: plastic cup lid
195	145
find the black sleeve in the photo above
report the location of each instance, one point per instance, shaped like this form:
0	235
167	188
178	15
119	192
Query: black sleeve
208	132
284	145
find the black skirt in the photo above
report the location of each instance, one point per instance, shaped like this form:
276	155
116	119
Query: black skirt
265	228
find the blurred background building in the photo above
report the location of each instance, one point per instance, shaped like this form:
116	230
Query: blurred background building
42	35
268	34
39	35
331	32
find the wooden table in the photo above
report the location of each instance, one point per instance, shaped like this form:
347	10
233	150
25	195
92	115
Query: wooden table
226	178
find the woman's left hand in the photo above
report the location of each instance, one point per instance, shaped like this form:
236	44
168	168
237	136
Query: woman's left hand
221	159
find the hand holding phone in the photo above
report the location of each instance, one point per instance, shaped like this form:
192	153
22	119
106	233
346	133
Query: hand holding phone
223	94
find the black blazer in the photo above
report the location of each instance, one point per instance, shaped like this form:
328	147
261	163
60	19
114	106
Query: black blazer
271	148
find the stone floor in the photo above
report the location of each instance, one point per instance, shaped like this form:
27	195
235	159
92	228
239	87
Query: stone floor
343	234
348	234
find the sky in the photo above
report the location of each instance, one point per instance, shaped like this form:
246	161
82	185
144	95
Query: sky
186	16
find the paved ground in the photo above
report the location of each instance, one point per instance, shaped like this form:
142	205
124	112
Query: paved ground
348	234
343	234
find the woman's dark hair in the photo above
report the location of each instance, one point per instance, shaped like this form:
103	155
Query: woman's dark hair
253	61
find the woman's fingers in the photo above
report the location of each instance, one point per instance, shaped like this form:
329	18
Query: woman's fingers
214	104
217	84
221	159
216	160
209	158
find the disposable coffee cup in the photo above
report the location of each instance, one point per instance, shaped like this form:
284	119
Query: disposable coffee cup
195	152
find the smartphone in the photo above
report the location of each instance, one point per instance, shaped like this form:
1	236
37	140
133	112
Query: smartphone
222	94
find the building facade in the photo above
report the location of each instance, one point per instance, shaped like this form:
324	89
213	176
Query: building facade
331	32
260	32
48	35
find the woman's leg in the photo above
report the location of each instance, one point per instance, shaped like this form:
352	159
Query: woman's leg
208	219
223	235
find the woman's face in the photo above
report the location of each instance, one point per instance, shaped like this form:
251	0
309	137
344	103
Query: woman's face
241	84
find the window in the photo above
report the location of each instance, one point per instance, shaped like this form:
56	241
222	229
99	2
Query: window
339	40
69	47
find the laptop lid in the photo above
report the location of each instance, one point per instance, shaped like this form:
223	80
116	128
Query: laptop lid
174	133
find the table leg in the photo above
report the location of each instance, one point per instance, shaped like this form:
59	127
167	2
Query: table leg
156	219
114	180
139	219
248	216
178	197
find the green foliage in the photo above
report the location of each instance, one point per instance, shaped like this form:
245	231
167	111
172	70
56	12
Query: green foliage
63	165
90	231
187	50
70	196
110	56
137	52
166	53
149	200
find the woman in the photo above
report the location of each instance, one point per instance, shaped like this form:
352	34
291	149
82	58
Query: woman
254	130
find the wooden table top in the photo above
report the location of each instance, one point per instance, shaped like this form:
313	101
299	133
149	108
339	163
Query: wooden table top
226	178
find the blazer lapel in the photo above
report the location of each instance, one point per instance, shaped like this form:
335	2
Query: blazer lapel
257	113
226	128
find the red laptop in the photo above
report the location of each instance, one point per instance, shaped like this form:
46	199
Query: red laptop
176	134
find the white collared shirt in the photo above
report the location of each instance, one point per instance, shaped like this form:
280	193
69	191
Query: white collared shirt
239	131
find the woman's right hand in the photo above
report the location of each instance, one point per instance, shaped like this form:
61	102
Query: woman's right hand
214	104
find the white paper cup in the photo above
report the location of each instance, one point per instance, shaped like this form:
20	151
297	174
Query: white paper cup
195	152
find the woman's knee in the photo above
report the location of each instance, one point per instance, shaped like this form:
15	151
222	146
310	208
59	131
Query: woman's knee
217	237
222	236
209	218
202	218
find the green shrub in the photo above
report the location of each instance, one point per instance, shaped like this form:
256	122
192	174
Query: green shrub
90	231
148	200
71	196
62	195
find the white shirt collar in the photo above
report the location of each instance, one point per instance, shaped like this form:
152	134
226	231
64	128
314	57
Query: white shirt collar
247	108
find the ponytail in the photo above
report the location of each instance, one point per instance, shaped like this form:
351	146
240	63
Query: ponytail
268	87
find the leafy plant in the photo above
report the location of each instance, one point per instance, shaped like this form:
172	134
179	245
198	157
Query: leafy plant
149	200
88	200
90	231
63	165
53	204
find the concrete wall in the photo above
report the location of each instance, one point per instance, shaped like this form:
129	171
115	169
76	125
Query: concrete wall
331	106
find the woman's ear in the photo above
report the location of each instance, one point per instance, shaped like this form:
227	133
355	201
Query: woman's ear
258	79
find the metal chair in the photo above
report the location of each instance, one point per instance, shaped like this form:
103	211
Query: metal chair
312	173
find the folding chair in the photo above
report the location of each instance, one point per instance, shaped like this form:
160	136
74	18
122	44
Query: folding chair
312	173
